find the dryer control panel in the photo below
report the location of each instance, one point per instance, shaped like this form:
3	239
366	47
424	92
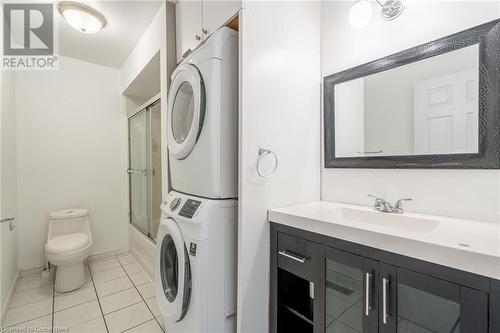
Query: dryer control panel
189	208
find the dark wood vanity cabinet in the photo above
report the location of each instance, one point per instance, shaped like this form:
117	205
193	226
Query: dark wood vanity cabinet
321	284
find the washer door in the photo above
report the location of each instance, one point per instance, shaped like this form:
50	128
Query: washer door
175	271
186	110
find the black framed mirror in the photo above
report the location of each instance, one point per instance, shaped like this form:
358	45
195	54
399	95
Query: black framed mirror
434	106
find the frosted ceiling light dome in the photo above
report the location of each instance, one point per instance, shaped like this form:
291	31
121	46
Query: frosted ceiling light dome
81	17
360	14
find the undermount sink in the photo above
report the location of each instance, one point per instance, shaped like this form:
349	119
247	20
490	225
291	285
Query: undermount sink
386	220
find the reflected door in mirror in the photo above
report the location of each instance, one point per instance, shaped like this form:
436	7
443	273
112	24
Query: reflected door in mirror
446	114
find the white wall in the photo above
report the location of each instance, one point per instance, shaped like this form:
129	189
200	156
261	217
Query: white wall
148	45
72	144
280	83
158	37
8	193
153	40
349	118
471	194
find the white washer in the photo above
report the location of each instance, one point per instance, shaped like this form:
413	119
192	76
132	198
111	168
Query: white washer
196	264
202	119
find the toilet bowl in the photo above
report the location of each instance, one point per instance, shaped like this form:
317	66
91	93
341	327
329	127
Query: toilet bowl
68	245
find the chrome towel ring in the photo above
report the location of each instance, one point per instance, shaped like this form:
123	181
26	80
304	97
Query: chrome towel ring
262	153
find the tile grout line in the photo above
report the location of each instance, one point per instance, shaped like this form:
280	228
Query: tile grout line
37	317
115	292
97	296
92	300
128	329
25	321
105	270
29	303
93	285
98	301
28	289
53	295
53	299
144	300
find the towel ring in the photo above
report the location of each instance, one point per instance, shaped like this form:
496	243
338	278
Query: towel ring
262	153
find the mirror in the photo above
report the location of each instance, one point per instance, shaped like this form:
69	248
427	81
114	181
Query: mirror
426	107
423	107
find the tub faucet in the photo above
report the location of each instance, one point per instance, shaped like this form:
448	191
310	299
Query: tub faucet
384	206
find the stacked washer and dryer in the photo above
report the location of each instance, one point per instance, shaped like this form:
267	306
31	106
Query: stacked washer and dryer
197	237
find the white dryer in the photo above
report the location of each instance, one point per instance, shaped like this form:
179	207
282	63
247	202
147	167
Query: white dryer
196	264
202	119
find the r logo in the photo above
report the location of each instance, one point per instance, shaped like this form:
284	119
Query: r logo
28	29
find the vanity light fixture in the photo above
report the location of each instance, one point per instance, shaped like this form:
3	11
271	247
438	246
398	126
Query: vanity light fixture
391	9
82	17
361	11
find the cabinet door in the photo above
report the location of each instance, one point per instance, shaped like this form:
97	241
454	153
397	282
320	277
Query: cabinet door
351	302
217	13
417	303
188	25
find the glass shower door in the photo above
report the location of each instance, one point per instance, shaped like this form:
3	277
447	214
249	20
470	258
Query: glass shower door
155	168
145	169
138	170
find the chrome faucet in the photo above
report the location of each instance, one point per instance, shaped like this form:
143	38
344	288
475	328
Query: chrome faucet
382	205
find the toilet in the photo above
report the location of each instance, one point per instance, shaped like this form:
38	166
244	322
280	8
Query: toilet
68	245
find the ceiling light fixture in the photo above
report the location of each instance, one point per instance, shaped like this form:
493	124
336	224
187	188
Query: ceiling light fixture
361	12
82	17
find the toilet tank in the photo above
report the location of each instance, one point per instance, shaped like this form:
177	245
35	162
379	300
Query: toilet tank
68	221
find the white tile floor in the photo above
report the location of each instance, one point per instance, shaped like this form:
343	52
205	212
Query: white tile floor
118	297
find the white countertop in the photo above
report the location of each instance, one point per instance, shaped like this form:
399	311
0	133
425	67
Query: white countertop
441	242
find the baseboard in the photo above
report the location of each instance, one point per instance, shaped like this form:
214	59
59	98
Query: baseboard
5	306
105	255
23	272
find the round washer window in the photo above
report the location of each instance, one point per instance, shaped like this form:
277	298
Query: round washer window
182	112
169	268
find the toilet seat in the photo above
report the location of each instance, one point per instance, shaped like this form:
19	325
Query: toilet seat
68	243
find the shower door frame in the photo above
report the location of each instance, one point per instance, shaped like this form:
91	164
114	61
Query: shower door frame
144	108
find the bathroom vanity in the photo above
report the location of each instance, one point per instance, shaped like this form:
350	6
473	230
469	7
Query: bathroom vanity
346	268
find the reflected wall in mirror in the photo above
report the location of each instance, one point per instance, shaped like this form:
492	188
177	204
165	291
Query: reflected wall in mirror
425	107
432	106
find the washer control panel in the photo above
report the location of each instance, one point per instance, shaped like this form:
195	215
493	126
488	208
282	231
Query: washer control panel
189	208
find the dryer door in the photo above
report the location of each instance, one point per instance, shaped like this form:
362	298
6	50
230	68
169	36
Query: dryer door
186	110
174	276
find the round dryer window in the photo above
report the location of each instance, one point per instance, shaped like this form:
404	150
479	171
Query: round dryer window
182	112
185	110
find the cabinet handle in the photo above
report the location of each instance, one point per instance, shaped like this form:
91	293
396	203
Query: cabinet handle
197	37
293	256
384	300
367	296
